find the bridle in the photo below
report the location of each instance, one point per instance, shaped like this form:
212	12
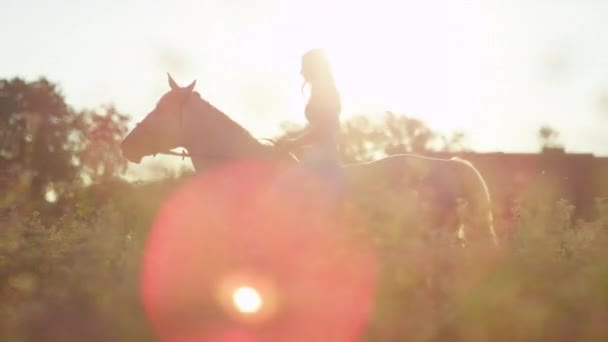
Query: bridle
183	154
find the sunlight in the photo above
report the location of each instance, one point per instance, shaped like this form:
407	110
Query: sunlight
390	55
247	300
50	196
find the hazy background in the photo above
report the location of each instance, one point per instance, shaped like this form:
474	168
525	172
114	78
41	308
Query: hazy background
493	69
81	247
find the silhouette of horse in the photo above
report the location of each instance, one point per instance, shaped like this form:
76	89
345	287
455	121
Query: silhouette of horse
461	201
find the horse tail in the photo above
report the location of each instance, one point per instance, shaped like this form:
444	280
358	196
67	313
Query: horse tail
479	198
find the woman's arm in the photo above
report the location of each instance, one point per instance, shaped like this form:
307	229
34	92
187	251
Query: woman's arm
322	111
307	137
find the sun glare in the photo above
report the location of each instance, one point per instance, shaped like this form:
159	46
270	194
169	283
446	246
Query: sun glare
247	300
391	55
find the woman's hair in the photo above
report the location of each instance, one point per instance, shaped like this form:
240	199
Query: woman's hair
317	73
316	68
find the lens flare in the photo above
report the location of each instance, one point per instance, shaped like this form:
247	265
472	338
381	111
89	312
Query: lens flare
255	251
247	300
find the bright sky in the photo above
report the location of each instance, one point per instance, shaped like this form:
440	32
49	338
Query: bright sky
494	69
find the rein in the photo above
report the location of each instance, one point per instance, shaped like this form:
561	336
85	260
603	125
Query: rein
185	154
182	154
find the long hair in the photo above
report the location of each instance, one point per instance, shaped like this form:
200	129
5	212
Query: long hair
318	69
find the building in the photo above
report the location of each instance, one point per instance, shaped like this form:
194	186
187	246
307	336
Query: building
552	174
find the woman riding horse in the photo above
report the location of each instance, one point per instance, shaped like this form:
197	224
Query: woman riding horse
457	193
322	112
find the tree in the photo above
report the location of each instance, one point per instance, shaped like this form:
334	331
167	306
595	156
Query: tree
548	137
44	142
100	134
35	130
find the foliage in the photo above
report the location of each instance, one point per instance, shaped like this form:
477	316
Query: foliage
100	133
548	137
35	130
45	143
74	275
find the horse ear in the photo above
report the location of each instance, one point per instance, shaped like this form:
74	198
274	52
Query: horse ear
190	88
172	83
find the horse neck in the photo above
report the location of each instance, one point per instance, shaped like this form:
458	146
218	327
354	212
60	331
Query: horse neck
211	136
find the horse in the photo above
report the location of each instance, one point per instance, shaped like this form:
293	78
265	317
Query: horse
182	118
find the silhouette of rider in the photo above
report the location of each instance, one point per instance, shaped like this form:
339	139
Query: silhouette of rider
322	112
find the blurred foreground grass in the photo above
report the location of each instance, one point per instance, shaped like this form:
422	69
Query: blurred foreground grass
71	274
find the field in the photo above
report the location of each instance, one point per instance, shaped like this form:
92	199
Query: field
74	273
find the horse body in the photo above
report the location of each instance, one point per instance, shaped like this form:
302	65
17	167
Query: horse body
458	196
454	189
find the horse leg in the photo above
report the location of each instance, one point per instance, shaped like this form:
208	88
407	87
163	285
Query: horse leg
475	212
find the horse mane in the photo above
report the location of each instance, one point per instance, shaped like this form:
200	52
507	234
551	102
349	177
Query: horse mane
213	133
221	122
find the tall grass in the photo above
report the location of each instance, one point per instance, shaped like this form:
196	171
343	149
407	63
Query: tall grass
73	274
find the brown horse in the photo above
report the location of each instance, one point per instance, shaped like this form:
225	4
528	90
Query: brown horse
460	201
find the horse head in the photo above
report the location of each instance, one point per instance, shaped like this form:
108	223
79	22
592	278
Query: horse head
161	129
182	118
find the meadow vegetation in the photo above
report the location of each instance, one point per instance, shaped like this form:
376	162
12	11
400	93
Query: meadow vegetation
74	274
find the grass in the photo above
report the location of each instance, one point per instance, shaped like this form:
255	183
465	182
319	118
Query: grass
73	273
